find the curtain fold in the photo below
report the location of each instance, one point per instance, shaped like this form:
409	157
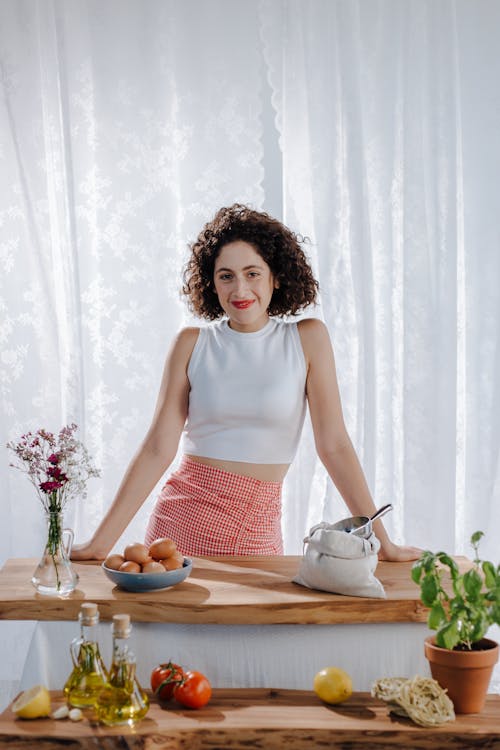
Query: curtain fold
124	125
384	134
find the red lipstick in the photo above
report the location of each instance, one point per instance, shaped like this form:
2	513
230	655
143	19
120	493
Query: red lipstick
242	304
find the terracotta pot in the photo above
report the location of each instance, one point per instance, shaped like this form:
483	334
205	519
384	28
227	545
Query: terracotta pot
465	674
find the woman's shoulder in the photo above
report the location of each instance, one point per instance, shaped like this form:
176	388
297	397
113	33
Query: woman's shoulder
312	327
188	334
184	342
313	335
181	348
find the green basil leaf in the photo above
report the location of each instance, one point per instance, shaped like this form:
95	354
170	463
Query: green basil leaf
437	615
416	571
473	583
447	636
476	537
489	574
429	590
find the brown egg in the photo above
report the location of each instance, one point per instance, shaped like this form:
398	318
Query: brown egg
162	548
114	561
137	553
153	567
130	567
174	562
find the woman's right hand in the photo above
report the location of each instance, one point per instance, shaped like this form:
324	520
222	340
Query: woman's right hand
86	551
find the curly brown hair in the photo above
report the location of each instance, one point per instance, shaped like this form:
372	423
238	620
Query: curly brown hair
275	243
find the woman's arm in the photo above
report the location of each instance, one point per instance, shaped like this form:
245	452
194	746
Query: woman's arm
156	453
333	443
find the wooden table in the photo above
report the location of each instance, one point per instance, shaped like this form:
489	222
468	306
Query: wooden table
240	620
220	590
261	720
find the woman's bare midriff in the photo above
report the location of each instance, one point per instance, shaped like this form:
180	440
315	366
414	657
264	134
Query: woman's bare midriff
264	472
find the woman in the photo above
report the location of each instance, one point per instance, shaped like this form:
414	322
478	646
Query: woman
237	389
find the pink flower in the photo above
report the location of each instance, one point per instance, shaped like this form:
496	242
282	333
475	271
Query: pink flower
55	464
50	486
56	473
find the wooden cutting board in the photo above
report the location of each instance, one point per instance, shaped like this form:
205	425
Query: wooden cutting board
222	590
258	719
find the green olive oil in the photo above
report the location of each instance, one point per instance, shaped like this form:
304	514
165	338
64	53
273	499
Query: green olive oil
121	700
89	675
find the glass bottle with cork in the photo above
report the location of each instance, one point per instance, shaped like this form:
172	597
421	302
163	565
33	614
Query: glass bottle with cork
89	674
122	700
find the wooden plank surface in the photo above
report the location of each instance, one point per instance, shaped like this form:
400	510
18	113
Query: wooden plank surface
224	590
260	719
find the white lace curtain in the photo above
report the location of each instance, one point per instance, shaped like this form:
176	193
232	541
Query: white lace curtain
389	115
125	124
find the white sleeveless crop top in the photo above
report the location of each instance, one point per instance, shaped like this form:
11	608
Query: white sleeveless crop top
247	400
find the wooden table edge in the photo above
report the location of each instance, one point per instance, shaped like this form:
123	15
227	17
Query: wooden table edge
245	718
223	590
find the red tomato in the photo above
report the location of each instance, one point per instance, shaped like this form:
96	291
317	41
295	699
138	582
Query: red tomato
164	679
194	691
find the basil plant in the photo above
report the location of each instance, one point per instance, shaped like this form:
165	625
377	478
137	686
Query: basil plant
461	612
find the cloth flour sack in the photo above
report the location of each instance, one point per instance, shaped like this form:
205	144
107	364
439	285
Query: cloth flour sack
340	562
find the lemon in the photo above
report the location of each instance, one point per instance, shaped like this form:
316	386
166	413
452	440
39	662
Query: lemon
332	685
33	703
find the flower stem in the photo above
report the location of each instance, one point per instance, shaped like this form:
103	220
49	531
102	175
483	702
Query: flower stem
54	540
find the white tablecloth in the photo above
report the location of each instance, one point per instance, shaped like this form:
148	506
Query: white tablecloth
271	656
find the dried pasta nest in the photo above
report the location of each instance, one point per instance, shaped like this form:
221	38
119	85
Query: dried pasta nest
387	688
421	699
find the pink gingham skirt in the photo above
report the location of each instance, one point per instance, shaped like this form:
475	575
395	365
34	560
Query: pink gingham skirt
208	511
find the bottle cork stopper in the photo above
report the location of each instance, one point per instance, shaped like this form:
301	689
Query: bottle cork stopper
89	614
89	609
121	625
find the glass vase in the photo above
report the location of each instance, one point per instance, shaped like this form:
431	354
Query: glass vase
55	574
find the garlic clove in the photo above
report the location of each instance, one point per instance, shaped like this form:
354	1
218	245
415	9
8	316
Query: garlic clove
60	713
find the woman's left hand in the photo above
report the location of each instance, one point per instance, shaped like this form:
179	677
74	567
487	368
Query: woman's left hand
396	553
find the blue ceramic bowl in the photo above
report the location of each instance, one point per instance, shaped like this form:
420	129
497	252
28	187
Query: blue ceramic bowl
149	581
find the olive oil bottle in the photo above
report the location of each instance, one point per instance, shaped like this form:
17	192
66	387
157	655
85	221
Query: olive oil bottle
122	700
89	675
